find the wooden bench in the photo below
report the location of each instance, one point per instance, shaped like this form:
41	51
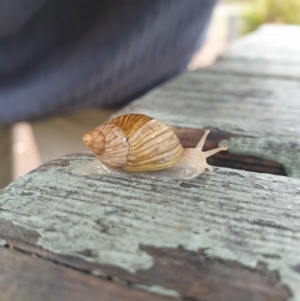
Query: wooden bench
233	234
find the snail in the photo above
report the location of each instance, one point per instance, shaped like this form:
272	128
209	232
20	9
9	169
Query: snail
139	143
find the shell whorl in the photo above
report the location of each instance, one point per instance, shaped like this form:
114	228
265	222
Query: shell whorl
109	143
137	142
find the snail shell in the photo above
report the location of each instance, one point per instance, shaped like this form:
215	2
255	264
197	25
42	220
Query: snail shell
139	143
135	142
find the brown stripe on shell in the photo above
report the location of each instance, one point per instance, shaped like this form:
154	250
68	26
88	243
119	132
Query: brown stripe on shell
161	134
147	133
130	123
154	146
160	161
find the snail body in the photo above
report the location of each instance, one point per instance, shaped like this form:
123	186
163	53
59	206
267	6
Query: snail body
139	143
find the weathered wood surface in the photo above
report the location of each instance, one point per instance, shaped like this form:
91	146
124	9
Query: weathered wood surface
272	50
250	97
24	277
227	235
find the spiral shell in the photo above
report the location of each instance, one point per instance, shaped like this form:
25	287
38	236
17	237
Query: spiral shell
135	142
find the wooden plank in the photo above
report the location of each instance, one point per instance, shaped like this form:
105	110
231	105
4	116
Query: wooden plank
197	276
227	235
24	277
258	67
272	50
276	43
259	115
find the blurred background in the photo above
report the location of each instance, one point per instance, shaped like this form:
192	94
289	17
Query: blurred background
231	19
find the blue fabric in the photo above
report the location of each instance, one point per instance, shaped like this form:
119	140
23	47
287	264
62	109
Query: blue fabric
61	56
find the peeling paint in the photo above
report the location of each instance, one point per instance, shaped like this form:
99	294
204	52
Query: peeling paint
99	274
23	233
113	215
3	242
157	290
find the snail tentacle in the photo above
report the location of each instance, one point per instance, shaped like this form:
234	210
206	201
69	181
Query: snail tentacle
214	151
202	140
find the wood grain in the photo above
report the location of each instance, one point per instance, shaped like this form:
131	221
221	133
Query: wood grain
193	274
272	50
24	277
229	220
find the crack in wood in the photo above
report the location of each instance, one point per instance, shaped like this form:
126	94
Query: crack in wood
271	224
189	138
